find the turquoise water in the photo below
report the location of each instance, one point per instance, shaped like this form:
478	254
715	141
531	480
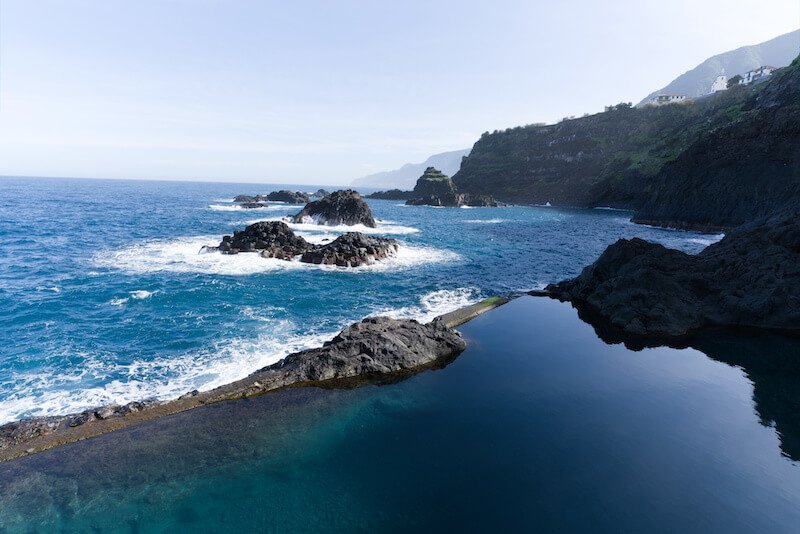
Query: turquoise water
537	426
104	297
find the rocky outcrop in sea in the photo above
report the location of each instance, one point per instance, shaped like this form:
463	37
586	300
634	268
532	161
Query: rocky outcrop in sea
250	198
320	193
352	249
343	207
274	239
291	197
435	188
751	278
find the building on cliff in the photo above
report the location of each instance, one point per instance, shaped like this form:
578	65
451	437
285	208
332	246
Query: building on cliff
664	99
720	84
757	75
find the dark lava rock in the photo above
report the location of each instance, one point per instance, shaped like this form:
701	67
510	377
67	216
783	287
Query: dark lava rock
273	239
433	182
249	198
435	188
392	194
340	207
455	200
375	345
751	278
292	197
320	193
351	250
253	205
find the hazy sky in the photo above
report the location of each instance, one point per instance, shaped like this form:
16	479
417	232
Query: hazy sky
323	92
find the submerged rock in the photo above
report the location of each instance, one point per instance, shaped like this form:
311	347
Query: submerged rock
340	207
751	278
253	205
273	239
292	197
352	249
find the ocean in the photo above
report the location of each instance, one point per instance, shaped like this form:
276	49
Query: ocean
106	298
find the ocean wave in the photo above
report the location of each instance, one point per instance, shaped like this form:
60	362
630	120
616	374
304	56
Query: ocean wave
485	221
435	303
383	228
52	289
56	392
183	255
139	294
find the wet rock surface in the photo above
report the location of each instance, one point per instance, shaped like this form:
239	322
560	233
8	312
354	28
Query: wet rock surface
292	197
343	207
352	249
273	239
751	278
249	198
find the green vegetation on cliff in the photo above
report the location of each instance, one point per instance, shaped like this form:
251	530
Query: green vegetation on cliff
742	142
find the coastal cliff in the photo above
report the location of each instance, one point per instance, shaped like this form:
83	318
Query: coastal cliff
714	163
746	169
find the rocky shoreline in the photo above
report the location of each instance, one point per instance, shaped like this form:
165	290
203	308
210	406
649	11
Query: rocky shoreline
750	279
374	350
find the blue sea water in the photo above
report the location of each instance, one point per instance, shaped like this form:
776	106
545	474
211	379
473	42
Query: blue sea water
104	296
539	426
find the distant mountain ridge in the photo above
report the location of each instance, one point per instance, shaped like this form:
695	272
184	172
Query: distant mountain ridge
406	176
778	52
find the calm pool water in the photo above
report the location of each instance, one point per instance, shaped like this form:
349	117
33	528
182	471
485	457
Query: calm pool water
538	426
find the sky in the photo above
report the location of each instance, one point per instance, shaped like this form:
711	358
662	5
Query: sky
324	92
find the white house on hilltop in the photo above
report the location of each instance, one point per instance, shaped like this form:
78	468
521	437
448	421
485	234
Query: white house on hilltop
720	84
757	74
663	99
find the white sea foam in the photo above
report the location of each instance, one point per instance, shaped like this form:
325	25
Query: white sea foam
435	303
383	228
183	255
236	207
55	392
485	221
139	294
708	240
52	289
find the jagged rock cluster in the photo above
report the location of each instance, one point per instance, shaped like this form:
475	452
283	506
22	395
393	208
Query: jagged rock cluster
351	250
343	207
751	278
291	197
274	239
